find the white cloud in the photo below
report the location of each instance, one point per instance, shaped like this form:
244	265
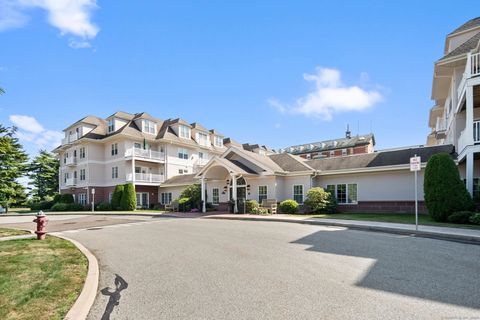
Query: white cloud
79	44
330	96
69	16
31	131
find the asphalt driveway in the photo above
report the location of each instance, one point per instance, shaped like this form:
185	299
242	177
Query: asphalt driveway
214	269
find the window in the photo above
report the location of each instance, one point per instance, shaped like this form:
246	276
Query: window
183	153
82	198
352	193
111	125
332	153
166	198
82	174
82	153
148	126
74	153
342	193
110	196
298	193
114	149
344	152
345	193
75	174
202	138
262	193
184	132
215	196
218	141
114	172
65	157
182	171
200	155
65	177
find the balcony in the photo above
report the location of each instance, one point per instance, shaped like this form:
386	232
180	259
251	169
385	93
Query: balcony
71	182
145	154
463	140
440	128
472	69
146	178
71	161
71	138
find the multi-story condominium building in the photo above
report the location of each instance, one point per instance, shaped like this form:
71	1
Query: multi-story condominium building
102	153
455	117
349	145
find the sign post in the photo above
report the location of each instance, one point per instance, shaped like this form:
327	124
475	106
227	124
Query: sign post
415	166
93	199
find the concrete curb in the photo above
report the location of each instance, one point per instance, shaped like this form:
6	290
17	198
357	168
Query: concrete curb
84	302
423	234
83	213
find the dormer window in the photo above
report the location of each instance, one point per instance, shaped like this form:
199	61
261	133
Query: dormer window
202	138
184	132
148	126
111	125
218	141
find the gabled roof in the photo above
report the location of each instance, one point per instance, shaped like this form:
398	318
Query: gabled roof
179	121
215	132
470	24
380	158
122	115
231	142
290	163
198	126
464	48
333	144
257	159
144	115
92	120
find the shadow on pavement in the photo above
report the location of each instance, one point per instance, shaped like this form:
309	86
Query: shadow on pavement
429	269
114	300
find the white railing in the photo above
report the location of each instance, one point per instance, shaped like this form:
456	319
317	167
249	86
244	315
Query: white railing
464	141
201	162
70	138
474	64
147	177
147	154
71	161
71	182
441	125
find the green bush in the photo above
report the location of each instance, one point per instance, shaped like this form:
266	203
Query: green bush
67	198
75	207
42	205
117	197
129	198
289	206
461	217
184	204
320	201
444	191
475	218
251	205
194	193
104	206
60	206
57	198
259	210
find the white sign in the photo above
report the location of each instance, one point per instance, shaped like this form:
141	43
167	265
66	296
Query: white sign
93	190
415	164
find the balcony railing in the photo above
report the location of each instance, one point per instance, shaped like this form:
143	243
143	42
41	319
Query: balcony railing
441	125
147	177
463	140
472	69
70	138
146	154
71	161
70	182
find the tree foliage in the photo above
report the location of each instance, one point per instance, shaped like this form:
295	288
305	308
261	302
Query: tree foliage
444	191
117	197
129	198
320	201
43	174
194	193
12	167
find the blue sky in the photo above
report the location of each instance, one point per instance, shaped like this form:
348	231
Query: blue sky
271	72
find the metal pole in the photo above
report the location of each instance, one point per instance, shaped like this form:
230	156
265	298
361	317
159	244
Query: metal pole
93	202
416	202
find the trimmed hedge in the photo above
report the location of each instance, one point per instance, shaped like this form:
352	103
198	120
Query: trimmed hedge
320	201
475	218
42	205
104	206
67	198
462	217
60	206
289	206
129	198
445	192
117	197
251	205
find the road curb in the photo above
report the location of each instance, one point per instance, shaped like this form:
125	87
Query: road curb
423	234
83	213
84	302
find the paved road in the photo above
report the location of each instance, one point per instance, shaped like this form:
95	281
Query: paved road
212	269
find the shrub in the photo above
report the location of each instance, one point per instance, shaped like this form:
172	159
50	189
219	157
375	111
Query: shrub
444	192
129	198
104	206
320	201
194	193
475	218
60	206
67	198
259	210
57	198
184	204
42	205
460	217
289	206
117	197
75	207
251	205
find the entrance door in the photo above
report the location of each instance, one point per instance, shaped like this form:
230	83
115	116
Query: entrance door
241	193
142	200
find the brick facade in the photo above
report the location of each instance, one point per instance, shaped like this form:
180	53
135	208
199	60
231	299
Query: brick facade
102	194
383	207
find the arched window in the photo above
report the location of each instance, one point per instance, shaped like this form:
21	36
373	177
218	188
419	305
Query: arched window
240	182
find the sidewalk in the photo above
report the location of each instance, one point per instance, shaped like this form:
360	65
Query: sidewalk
443	233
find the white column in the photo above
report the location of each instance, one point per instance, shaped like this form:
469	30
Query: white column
133	170
469	117
469	172
234	194
204	205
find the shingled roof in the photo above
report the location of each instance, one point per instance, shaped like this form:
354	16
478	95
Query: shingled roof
473	23
182	179
464	48
290	163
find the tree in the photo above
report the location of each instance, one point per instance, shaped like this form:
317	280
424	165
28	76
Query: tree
117	197
320	201
43	173
2	91
129	198
12	166
194	193
444	191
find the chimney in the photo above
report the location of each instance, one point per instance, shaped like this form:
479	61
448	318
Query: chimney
348	134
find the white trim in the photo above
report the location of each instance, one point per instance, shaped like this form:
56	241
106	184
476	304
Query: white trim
303	192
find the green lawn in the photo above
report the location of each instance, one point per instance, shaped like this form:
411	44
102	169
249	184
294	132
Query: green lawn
4	232
408	218
39	279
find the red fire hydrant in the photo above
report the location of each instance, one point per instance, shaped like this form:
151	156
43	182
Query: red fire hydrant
41	221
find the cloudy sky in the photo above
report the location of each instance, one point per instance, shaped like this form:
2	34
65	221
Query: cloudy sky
276	73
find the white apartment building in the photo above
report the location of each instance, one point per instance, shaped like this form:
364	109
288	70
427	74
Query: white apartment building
455	118
102	153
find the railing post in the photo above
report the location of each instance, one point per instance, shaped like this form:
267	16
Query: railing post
469	65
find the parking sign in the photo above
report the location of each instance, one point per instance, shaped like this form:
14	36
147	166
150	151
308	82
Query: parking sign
415	164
